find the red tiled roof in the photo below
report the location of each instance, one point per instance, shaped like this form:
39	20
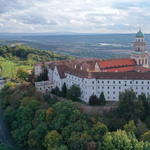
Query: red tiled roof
61	69
141	69
122	69
116	63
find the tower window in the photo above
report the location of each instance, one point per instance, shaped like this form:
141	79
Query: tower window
143	61
138	48
139	61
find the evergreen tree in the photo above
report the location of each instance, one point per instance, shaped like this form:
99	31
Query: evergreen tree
64	90
44	70
102	100
44	75
57	90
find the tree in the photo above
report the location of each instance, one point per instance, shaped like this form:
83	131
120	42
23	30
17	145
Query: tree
5	147
44	75
66	113
102	100
145	105
126	104
74	92
64	90
146	136
21	73
130	127
51	139
40	133
116	140
93	100
98	131
57	90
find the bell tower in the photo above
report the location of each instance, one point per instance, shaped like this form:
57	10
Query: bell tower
139	52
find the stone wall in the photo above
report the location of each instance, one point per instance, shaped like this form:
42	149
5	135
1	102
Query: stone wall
92	110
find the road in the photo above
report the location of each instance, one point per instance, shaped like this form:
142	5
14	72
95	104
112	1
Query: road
4	134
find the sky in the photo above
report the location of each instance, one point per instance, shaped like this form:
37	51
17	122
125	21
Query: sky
81	16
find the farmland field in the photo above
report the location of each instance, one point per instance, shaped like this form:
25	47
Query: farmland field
9	67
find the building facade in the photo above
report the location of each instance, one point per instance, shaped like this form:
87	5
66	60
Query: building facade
110	76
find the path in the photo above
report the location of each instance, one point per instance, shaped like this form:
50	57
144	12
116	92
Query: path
4	134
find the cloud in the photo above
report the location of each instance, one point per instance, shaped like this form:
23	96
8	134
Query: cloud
76	16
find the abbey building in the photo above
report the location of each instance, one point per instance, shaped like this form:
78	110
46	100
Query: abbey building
111	76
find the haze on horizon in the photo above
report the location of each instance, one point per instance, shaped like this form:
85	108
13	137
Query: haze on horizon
81	16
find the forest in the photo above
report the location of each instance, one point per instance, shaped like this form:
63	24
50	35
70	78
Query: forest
42	123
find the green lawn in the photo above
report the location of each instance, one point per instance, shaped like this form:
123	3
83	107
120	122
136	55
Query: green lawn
9	67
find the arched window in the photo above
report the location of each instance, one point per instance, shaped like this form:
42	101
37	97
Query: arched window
139	61
143	61
139	40
138	48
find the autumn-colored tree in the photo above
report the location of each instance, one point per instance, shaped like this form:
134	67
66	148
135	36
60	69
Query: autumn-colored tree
51	139
21	73
49	117
116	140
130	127
146	136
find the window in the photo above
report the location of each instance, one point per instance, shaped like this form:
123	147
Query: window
142	88
40	88
108	82
98	81
93	93
93	87
130	82
113	87
113	97
102	87
92	82
136	82
98	87
148	88
119	82
98	92
108	97
142	82
108	87
113	82
119	87
108	92
102	81
148	82
136	87
125	85
113	92
136	92
148	93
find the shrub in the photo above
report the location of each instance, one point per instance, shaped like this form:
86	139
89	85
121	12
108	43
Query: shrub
93	100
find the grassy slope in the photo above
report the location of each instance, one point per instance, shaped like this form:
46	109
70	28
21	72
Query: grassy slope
9	66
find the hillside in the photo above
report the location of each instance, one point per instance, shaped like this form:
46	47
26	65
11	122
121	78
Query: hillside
14	57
